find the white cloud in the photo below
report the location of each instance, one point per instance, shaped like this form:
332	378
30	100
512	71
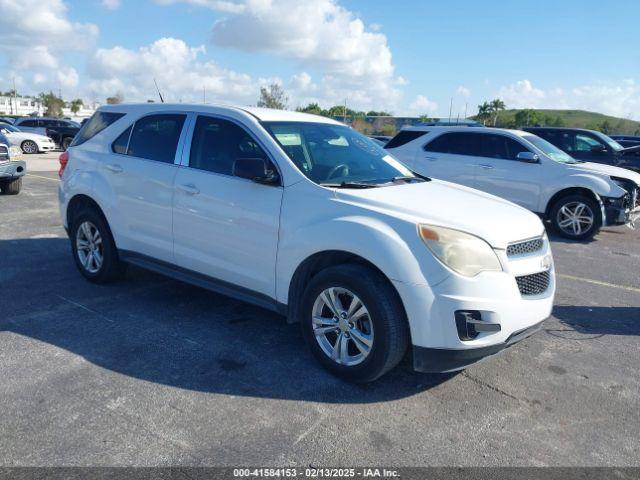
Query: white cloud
463	91
176	66
110	4
34	37
619	99
350	61
422	105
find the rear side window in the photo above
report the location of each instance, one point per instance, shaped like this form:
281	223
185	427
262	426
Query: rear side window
403	137
457	143
218	143
155	137
28	123
98	122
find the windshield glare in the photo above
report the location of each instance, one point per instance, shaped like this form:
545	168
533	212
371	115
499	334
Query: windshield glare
335	154
550	150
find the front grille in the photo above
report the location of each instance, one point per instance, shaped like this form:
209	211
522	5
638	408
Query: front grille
524	248
534	284
4	153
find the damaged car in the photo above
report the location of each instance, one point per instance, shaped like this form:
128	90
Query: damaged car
576	197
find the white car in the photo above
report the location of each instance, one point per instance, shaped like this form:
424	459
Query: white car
28	142
302	215
11	169
576	197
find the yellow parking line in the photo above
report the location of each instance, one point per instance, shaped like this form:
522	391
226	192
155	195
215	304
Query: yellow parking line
599	282
40	176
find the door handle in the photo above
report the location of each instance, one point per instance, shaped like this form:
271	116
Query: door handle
485	166
430	158
114	168
189	189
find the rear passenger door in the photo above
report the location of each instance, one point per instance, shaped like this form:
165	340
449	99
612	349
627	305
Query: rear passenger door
141	173
226	227
502	174
450	157
30	126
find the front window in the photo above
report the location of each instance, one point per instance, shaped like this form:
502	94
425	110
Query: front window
337	156
551	151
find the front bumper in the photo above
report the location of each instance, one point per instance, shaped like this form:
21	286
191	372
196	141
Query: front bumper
442	360
504	308
13	169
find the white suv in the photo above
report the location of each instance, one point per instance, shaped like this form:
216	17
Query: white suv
305	216
576	197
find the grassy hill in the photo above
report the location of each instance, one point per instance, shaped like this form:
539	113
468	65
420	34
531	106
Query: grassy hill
574	118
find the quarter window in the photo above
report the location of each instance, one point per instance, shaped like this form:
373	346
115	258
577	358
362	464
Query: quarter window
120	144
155	137
218	143
97	123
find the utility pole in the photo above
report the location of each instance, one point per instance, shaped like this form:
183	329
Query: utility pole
15	96
204	95
465	109
344	112
450	108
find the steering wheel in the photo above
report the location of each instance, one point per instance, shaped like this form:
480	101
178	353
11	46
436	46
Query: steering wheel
343	166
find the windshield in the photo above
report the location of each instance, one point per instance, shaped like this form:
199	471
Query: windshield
615	146
6	126
551	151
336	155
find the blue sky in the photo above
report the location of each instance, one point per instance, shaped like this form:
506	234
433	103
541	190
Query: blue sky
409	57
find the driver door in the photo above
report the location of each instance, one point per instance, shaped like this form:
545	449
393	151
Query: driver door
225	227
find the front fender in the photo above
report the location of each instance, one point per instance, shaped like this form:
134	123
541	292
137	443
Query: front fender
397	251
600	186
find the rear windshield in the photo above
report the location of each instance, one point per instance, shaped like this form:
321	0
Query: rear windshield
98	122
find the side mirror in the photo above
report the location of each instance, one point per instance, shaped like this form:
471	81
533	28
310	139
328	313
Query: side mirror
255	169
528	157
598	149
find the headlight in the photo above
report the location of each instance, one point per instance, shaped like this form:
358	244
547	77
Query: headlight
461	252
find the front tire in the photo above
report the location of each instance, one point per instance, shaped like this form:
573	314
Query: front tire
94	249
576	217
354	322
29	147
11	187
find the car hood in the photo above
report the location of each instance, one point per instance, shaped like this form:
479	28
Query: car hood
607	170
449	205
28	136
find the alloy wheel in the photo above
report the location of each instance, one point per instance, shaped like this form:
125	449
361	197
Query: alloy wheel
89	247
575	218
29	147
342	326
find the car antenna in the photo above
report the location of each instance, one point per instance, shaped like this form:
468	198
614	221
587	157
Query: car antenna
159	93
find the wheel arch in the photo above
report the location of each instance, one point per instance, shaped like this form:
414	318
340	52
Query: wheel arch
314	264
80	201
570	191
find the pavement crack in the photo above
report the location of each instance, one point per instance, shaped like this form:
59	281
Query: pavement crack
492	387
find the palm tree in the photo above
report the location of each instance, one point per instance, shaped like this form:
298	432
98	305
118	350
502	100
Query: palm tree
496	106
484	112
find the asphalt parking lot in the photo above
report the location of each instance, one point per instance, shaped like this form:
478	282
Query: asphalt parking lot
151	371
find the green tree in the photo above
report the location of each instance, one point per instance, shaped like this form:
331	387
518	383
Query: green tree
496	106
425	118
606	127
52	104
312	108
381	113
273	96
527	117
558	121
484	113
76	105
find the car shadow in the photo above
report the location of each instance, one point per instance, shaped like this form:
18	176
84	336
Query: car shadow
159	330
599	321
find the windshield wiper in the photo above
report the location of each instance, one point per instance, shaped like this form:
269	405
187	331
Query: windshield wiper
407	178
350	185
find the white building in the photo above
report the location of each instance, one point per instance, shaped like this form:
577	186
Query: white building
20	106
27	106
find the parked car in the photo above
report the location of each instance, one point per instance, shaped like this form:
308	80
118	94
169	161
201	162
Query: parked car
26	141
63	135
631	138
9	120
576	197
303	215
380	139
11	170
62	131
589	146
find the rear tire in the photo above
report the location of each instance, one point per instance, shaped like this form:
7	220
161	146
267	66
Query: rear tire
382	332
93	248
576	217
11	187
